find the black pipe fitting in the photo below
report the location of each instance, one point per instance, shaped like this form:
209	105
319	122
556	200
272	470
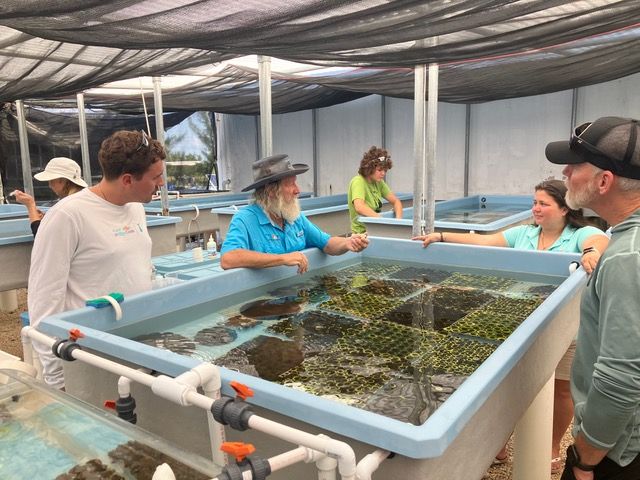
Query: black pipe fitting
230	472
125	407
232	412
63	348
260	468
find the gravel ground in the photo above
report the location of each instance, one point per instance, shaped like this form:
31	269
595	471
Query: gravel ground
10	326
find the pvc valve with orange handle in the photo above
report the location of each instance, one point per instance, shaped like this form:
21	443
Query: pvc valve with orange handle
75	334
242	391
239	450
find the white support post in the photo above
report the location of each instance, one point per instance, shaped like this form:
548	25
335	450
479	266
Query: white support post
264	84
27	181
418	146
158	111
532	438
84	139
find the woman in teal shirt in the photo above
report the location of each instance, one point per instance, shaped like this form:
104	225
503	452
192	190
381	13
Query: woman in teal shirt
557	228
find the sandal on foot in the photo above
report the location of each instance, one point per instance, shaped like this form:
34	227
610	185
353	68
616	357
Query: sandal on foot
500	461
557	465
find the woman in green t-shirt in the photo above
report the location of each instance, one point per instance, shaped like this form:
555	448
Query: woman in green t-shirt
368	188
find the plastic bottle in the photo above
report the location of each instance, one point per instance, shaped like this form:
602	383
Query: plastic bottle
212	248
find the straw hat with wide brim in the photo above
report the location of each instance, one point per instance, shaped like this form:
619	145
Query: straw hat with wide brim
61	167
271	169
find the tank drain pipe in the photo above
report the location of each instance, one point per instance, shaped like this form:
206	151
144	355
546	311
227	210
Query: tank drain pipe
238	414
341	451
207	376
370	464
30	355
278	462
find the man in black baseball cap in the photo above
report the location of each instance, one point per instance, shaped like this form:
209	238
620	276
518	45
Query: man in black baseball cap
602	172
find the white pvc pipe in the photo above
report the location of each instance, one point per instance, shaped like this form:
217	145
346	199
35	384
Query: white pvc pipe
370	464
30	355
342	451
182	390
327	468
532	437
124	387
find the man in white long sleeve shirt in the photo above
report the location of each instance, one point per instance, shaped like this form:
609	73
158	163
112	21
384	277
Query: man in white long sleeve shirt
96	242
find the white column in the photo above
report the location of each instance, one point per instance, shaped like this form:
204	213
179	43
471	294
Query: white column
532	437
264	83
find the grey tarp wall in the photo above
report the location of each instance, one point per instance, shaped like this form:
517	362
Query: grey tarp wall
506	139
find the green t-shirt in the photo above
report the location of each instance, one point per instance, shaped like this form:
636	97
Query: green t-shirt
371	192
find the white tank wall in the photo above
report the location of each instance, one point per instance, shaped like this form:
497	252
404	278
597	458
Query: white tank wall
506	139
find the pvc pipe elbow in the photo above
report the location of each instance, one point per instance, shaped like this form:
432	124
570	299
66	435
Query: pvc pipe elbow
124	387
169	388
370	464
346	457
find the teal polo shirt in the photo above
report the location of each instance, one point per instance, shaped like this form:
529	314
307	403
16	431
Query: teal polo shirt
251	229
525	237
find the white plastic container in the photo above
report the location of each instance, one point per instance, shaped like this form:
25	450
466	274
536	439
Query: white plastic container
212	247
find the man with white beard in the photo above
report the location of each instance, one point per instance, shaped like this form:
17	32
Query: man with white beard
603	173
272	231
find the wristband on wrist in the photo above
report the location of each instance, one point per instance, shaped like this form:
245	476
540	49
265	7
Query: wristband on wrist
441	237
590	250
573	458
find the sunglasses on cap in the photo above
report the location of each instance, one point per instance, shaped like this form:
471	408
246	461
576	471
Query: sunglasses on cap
383	160
606	161
144	141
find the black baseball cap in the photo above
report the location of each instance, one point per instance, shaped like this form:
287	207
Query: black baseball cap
609	143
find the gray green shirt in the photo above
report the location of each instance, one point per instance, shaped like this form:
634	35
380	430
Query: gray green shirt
605	379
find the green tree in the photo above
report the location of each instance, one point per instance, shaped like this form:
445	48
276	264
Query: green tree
204	126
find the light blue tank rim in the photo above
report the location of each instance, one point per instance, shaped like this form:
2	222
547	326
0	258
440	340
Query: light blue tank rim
387	218
204	203
154	221
428	440
317	205
18	230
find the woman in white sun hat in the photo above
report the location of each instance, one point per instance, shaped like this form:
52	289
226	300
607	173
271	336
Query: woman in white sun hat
64	177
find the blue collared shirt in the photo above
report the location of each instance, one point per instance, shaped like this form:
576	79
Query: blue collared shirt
251	229
525	237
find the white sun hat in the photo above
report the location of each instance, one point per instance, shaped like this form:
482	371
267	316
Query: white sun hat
61	167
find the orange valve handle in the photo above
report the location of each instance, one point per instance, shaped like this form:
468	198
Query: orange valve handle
242	391
238	449
110	404
75	334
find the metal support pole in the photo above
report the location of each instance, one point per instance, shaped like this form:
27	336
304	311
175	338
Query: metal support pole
574	109
27	181
84	139
314	135
264	81
532	437
467	136
383	121
432	137
157	107
418	146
